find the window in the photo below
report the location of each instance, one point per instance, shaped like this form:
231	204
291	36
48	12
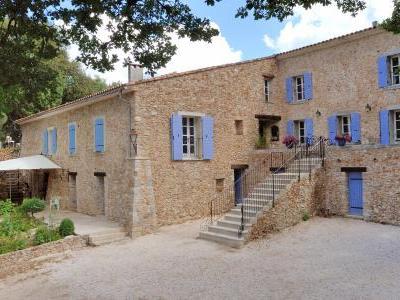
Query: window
300	131
394	69
299	88
344	125
99	136
219	184
396	126
274	133
49	141
191	137
266	89
72	138
239	127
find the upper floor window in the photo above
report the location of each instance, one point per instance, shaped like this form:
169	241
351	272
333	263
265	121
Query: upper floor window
299	88
99	135
49	141
394	69
303	130
192	136
72	138
300	130
396	126
267	89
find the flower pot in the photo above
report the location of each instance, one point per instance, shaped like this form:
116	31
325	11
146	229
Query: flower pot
341	142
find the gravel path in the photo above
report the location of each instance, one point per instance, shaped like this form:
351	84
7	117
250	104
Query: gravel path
319	259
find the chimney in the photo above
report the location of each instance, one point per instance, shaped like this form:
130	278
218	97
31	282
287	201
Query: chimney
135	73
375	24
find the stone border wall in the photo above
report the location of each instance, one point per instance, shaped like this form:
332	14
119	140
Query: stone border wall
297	199
26	259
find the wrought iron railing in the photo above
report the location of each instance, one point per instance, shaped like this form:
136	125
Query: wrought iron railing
262	192
236	193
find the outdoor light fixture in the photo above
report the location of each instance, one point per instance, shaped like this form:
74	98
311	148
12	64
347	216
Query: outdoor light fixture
368	107
318	113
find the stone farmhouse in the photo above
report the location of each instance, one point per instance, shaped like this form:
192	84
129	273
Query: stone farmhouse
157	151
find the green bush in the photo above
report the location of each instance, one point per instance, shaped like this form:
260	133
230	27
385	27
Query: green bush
66	227
33	205
8	244
45	235
306	216
6	207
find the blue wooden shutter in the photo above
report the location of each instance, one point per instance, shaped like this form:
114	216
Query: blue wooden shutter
208	137
54	141
309	130
176	137
384	127
72	138
290	127
289	89
308	86
355	127
383	75
45	142
99	135
332	128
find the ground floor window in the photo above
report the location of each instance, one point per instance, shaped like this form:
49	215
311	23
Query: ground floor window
344	125
396	125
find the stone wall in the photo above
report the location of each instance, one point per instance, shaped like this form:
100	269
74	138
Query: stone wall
381	191
27	259
296	200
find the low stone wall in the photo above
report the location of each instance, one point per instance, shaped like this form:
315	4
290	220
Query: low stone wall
27	259
297	199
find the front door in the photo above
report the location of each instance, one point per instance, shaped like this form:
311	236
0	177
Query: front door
238	185
355	193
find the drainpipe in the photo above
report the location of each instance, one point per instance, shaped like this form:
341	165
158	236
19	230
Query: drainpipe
126	101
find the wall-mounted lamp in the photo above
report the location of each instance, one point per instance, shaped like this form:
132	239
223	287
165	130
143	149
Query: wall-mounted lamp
318	113
368	108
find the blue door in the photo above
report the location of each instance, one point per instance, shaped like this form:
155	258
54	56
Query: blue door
238	185
355	193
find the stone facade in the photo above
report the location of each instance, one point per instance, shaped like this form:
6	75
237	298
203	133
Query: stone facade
149	189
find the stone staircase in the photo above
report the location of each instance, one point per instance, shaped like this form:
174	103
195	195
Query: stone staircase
227	231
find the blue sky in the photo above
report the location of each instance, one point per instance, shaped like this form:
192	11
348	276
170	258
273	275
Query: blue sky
242	39
242	34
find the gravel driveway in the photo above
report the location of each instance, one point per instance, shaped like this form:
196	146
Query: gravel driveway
319	259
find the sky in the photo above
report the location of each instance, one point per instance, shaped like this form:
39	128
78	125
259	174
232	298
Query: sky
243	39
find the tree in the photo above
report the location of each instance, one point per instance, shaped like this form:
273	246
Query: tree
139	27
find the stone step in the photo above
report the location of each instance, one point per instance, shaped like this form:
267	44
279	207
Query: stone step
231	241
258	202
236	218
233	232
98	239
247	212
232	224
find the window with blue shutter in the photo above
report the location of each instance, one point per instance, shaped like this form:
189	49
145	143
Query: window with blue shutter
308	86
355	127
54	141
332	128
383	71
208	137
309	130
384	127
72	138
45	142
290	127
289	89
99	135
176	137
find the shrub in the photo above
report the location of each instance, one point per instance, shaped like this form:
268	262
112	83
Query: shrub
33	205
306	216
261	142
8	244
45	235
6	207
66	227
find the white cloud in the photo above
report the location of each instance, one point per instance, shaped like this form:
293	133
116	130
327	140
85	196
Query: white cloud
320	23
189	56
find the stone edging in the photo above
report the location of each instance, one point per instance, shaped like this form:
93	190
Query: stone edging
26	259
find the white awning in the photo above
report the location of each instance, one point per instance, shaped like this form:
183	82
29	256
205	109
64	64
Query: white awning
36	162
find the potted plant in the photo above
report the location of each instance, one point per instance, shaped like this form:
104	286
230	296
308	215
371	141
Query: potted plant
343	139
289	141
261	142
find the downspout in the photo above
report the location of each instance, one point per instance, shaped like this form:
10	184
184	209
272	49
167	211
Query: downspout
126	101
